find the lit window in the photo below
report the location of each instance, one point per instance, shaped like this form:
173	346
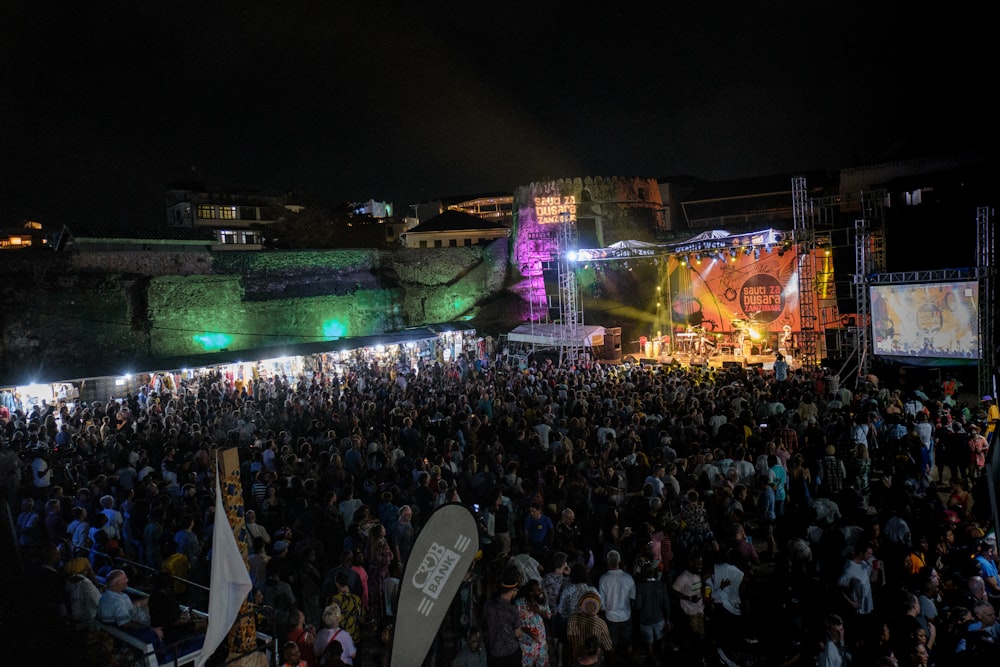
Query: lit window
227	212
206	211
228	237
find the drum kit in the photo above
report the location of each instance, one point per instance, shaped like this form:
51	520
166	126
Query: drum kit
750	334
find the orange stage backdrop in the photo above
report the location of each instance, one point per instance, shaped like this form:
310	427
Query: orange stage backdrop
715	292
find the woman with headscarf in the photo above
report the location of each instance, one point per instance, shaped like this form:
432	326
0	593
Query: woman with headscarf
333	632
82	591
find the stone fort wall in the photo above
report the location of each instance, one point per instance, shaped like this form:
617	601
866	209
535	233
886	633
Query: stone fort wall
70	315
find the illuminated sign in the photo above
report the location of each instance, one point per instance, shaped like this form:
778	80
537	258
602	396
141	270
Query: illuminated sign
762	295
555	209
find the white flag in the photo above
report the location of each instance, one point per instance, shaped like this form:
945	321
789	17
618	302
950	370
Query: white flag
230	583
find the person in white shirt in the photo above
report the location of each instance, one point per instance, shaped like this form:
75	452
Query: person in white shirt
255	529
856	580
116	520
726	587
617	589
834	653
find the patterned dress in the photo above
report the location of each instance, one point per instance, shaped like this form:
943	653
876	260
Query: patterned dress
378	571
534	646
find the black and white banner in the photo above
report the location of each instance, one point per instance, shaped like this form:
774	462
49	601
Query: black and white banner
444	551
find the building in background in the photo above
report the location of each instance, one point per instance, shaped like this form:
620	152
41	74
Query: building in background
29	234
233	218
453	229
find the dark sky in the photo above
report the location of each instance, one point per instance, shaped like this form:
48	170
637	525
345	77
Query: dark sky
103	104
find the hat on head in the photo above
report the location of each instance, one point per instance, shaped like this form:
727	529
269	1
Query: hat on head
280	547
509	581
77	566
987	397
590	603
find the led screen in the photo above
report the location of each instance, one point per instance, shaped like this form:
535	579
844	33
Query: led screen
937	320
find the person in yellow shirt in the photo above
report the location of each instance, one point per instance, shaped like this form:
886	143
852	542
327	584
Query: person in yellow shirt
992	417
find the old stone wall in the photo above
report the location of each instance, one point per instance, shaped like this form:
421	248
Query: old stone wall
68	316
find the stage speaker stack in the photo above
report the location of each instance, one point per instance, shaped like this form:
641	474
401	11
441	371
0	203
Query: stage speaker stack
612	342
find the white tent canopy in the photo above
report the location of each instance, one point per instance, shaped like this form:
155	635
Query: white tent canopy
557	335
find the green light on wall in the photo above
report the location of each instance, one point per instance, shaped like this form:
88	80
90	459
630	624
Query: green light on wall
211	342
333	329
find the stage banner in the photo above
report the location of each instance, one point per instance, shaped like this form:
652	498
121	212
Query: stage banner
725	293
444	551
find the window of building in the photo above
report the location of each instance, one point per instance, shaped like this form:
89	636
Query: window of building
467	242
251	238
206	211
453	243
227	212
423	244
437	243
228	237
248	212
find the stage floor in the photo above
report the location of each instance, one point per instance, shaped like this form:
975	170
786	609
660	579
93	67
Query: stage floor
765	361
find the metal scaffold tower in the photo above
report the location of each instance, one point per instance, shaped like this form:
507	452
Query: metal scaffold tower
986	256
869	260
569	332
805	237
868	240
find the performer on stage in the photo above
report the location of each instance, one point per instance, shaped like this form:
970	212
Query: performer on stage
786	340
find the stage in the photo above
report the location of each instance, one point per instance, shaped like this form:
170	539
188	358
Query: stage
750	346
715	360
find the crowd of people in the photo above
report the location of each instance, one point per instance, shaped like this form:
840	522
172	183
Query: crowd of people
627	512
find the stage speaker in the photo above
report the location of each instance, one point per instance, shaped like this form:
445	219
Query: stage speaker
732	364
613	337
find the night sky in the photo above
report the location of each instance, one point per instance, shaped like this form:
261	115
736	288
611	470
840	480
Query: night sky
103	104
